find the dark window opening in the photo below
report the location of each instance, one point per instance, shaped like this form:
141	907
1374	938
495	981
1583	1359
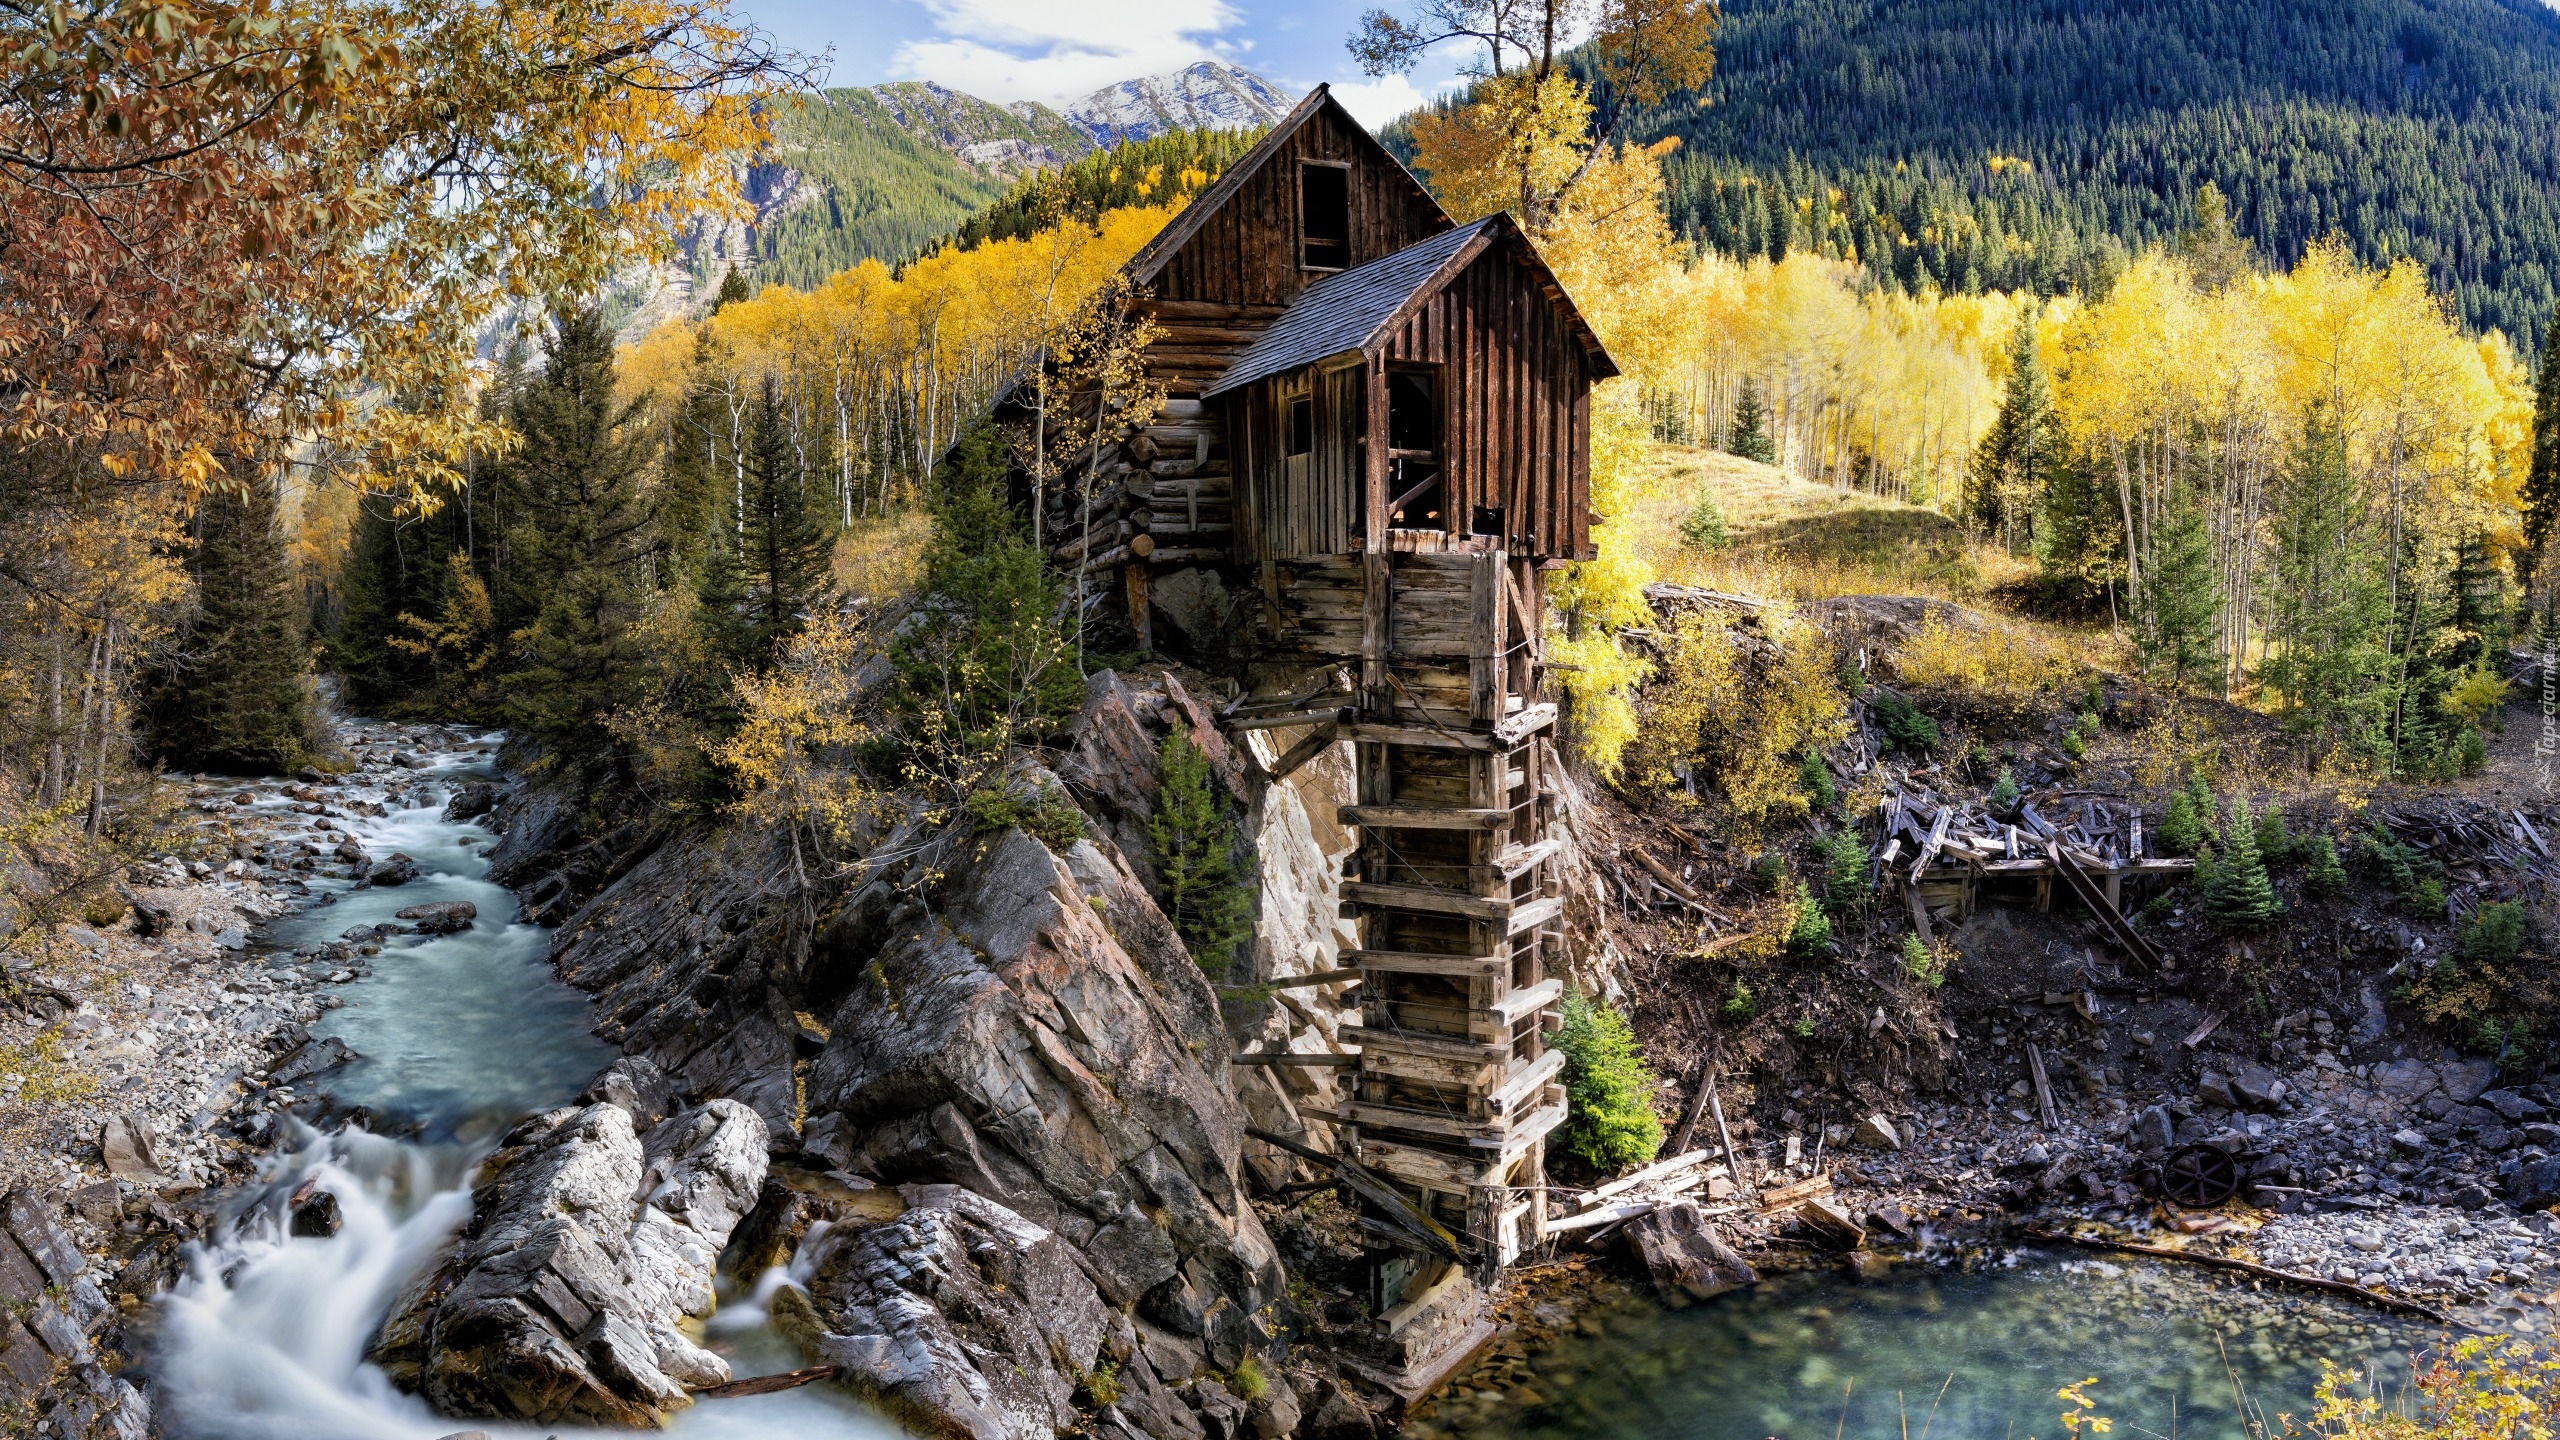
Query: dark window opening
1414	493
1302	425
1324	216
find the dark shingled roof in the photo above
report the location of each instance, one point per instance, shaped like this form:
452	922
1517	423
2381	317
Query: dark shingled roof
1345	312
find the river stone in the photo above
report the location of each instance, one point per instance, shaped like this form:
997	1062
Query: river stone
441	917
960	1318
315	1057
471	801
125	1144
395	869
1688	1260
589	1245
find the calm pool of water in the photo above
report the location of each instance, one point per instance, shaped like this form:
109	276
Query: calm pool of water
1964	1349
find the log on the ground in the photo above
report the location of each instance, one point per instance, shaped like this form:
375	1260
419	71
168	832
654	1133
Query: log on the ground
1688	1260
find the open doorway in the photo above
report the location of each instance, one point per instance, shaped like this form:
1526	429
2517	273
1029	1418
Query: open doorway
1416	498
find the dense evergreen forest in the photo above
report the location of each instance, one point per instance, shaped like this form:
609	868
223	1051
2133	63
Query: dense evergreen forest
1999	144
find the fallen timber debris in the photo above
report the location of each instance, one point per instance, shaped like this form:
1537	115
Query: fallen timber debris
2248	1267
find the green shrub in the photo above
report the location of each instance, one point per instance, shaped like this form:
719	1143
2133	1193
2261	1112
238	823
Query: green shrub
1924	966
1199	877
1802	1029
1844	871
1741	1004
2074	746
1703	528
1608	1087
2275	841
1810	934
1045	815
2324	875
1905	728
2492	934
2004	795
2410	875
2471	752
1767	869
2180	833
2238	897
1102	1382
1814	777
1248	1381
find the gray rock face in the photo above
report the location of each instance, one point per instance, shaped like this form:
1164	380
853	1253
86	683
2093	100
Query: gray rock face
50	1380
2535	1184
587	1246
959	1317
1688	1260
1036	1040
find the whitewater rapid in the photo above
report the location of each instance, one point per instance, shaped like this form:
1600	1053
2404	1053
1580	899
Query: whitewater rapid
263	1337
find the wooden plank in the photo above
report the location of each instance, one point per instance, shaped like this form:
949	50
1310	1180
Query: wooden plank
1427	900
1343	716
2211	1023
1421	1122
1517	859
1415	817
1306	982
1419	736
1786	1197
1523	1088
2109	917
2044	1088
1310	745
1408	962
1279	1057
1524	1002
1384	1041
1528	722
1536	913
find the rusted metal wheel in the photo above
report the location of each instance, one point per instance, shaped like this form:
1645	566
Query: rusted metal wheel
2200	1176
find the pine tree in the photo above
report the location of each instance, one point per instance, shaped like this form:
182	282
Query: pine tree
1196	850
699	480
2010	466
733	288
238	698
1751	428
2180	832
2331	604
2275	841
2178	607
1608	1087
2004	793
2239	897
2324	875
2542	477
785	551
574	587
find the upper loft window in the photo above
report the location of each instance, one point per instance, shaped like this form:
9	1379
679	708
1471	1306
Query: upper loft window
1415	497
1324	216
1302	425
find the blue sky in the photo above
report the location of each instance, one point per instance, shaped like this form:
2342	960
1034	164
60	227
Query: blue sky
1055	50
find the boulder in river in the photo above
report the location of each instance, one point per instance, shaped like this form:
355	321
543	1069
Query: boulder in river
471	801
441	917
589	1245
395	869
1688	1260
315	1057
959	1317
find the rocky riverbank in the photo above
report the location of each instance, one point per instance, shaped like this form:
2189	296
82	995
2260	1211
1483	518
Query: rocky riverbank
150	1058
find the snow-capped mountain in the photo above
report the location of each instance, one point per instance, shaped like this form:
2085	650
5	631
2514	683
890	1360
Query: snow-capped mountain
1210	94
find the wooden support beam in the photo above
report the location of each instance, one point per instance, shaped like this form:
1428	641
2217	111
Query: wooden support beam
1408	962
1285	718
1420	736
1517	728
2108	915
1413	817
1310	745
1292	1057
2044	1089
1536	913
1428	900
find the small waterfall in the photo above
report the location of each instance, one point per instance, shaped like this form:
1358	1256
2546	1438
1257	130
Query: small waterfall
263	1338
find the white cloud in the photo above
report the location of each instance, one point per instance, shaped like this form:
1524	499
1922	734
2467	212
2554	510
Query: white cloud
1053	52
1375	102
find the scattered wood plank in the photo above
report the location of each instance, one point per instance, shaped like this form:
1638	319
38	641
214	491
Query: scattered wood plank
767	1384
1662	873
1655	1173
1697	1107
2314	1282
1788	1196
2211	1023
2044	1088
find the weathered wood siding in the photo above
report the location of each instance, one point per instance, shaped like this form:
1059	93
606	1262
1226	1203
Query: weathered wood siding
1226	284
1515	404
1515	397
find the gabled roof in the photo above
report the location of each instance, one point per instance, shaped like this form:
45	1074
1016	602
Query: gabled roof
1355	311
1170	240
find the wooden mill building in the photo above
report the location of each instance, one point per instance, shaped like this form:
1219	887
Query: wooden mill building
1379	439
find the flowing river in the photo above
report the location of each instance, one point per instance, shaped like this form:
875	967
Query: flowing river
460	1036
463	1034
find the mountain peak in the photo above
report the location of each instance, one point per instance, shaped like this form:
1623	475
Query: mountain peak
1209	94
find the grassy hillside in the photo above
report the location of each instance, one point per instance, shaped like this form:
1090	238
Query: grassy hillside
2420	128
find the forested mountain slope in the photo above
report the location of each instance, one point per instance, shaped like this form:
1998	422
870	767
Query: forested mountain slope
1893	131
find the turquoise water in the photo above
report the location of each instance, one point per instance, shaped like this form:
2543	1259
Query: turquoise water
1971	1350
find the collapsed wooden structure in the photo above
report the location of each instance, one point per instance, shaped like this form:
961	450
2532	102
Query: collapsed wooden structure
1958	851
